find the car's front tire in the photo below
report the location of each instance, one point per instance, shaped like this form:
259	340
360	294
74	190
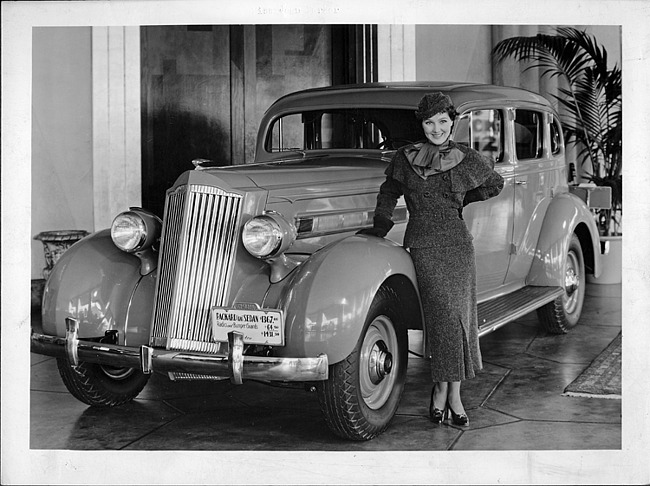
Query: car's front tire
561	315
101	386
363	391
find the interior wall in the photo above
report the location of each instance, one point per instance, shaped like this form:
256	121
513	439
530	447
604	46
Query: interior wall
62	152
453	53
205	89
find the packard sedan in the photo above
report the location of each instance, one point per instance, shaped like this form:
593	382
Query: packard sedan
256	272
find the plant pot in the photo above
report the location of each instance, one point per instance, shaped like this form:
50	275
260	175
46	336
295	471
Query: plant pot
611	259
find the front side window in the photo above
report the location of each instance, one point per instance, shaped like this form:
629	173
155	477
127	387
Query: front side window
481	130
346	128
529	134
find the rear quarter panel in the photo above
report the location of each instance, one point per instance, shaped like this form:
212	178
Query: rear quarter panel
565	213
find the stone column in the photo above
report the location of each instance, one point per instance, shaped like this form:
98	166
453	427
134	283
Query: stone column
116	121
396	52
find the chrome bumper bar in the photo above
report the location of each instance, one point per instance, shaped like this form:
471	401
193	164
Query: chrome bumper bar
235	366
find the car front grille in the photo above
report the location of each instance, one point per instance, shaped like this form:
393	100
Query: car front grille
196	258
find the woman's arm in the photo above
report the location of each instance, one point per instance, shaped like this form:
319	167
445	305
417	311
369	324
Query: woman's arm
389	192
491	187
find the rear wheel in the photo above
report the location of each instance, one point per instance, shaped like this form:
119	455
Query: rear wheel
363	391
561	315
101	386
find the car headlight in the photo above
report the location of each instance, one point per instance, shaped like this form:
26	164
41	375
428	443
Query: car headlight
135	230
268	235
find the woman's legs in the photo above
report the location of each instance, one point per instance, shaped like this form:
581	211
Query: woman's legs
455	406
445	397
444	393
453	397
439	394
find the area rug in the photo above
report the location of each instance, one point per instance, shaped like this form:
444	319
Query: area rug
602	378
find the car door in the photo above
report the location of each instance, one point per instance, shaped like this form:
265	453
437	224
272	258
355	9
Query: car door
537	164
491	221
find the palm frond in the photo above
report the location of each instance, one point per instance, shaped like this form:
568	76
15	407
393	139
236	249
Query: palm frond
592	98
553	53
596	53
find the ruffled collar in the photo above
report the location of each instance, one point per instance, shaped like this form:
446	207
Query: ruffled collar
427	159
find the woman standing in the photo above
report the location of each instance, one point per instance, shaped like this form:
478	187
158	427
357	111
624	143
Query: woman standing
437	178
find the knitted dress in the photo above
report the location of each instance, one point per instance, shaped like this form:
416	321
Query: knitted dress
442	252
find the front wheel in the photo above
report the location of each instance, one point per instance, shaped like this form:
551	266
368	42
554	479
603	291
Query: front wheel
101	386
363	391
561	315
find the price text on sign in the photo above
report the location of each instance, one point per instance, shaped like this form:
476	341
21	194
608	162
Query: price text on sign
262	326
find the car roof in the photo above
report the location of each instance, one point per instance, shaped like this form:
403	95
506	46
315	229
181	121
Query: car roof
403	94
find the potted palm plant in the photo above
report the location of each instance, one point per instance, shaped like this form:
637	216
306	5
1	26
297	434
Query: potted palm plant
590	101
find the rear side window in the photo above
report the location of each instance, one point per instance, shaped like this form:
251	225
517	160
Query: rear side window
529	134
481	130
556	137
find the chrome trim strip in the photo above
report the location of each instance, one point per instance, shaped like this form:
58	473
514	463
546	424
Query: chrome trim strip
305	222
253	367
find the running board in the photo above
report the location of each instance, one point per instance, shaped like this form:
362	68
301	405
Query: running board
495	313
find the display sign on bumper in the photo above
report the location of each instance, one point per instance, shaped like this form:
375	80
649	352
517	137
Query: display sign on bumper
257	325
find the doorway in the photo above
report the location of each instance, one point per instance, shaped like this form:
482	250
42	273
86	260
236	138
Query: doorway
205	88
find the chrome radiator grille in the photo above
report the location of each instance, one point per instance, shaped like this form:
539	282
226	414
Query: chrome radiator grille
196	258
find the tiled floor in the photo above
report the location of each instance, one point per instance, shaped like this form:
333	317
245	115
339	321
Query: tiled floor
515	403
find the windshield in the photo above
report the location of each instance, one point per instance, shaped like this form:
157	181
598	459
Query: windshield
345	128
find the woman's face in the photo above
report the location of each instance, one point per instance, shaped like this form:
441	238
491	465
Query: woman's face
437	128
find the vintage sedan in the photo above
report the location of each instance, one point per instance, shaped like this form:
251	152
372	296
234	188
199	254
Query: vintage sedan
255	272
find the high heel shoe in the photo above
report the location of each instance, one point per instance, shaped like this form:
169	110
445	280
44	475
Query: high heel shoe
435	414
457	418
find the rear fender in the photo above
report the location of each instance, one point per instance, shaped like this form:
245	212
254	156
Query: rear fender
327	298
565	216
101	286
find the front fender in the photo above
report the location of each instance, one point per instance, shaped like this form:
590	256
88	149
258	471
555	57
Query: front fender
95	282
328	297
566	215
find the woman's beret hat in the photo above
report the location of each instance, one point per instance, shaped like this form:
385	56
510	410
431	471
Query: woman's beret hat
432	104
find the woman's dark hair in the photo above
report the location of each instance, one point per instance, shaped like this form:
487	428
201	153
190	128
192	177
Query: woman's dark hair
434	103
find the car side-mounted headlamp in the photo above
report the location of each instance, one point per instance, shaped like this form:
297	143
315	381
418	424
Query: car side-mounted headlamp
136	231
268	235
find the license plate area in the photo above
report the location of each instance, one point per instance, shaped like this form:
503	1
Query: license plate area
258	326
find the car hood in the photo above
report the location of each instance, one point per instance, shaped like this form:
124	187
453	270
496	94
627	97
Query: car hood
304	172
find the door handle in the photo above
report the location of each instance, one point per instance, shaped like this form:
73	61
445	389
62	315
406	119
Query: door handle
522	182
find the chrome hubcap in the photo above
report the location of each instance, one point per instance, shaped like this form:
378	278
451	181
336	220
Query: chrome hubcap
571	282
380	362
377	364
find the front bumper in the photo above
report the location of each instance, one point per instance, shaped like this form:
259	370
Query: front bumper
235	366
